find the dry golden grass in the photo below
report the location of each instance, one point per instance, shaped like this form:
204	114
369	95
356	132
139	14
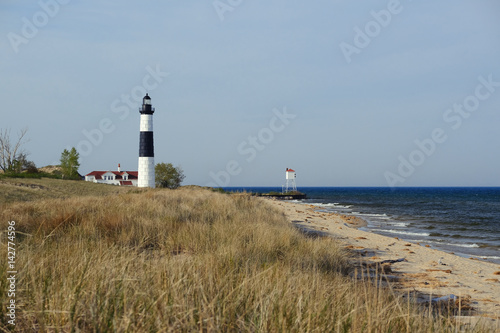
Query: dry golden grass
187	260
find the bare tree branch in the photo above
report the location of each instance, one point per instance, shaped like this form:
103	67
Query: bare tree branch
10	152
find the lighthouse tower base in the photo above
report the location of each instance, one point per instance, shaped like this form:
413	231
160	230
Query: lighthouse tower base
146	172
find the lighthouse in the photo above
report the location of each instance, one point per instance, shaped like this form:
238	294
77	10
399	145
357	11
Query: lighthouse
290	185
146	176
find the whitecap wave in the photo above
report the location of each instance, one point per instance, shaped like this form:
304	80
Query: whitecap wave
489	257
400	232
399	224
462	245
441	242
379	216
334	205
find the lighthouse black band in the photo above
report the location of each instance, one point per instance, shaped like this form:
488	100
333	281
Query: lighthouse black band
146	148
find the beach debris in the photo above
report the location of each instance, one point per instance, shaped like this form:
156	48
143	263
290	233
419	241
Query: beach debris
492	280
383	266
439	270
496	273
407	244
444	298
360	238
386	268
391	244
392	261
389	261
462	303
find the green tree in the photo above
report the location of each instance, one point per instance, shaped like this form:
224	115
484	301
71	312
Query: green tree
70	164
21	163
166	175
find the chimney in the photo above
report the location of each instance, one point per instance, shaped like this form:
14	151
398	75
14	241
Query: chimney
119	167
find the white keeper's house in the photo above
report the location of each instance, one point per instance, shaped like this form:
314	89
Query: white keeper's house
122	178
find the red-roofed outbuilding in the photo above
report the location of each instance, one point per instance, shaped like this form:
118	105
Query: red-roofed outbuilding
121	178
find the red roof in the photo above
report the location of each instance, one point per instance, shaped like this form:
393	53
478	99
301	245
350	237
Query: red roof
126	183
119	175
290	170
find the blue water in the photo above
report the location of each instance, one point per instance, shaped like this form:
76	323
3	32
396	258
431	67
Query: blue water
463	220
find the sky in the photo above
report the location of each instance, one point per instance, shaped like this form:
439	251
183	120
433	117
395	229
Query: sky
346	93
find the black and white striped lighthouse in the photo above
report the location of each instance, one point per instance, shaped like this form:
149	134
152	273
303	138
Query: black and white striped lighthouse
146	148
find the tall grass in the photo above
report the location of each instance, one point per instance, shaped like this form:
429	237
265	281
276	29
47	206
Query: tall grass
187	260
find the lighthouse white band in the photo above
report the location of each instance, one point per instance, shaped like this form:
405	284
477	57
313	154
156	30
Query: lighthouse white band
146	123
146	172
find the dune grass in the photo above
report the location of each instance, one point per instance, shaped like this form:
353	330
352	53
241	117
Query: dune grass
29	189
187	260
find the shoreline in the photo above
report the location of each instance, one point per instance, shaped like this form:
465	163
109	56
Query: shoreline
460	220
431	272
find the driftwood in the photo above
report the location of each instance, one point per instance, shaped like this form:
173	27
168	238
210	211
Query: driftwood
384	265
385	262
439	270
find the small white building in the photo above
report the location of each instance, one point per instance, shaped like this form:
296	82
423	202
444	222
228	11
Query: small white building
290	185
122	178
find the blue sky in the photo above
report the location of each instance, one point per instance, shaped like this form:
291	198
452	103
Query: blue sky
244	89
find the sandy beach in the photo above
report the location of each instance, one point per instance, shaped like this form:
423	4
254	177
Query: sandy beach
428	272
